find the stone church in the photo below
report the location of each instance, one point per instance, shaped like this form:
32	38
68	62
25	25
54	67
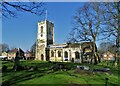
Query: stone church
47	50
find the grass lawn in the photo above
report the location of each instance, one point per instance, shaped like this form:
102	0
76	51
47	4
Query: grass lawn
45	76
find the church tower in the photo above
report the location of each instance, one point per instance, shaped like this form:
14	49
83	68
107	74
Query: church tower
45	37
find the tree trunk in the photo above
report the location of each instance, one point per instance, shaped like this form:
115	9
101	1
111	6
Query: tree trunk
95	53
99	59
118	33
117	58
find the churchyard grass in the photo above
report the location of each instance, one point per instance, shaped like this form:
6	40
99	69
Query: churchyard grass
43	75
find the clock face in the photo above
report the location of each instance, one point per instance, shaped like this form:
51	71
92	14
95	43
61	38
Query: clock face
42	46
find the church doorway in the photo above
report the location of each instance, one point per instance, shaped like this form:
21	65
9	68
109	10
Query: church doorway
42	57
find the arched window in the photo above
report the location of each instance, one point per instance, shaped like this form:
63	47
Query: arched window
77	56
66	55
52	53
41	29
59	53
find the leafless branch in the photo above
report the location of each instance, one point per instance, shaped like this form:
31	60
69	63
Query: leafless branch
11	9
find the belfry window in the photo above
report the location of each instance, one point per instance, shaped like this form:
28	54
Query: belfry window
41	29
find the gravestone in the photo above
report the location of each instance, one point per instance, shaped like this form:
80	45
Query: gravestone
83	67
16	62
59	66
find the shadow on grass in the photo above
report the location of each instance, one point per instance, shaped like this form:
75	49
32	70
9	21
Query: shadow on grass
43	69
24	75
16	78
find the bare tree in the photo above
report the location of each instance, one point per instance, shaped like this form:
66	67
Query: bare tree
4	47
11	9
111	18
96	21
87	25
72	37
33	49
107	46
